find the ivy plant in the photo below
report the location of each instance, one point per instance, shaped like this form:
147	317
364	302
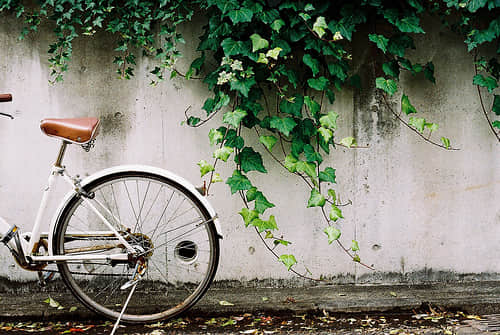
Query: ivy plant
279	66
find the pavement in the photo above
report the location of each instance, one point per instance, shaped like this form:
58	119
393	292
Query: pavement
472	298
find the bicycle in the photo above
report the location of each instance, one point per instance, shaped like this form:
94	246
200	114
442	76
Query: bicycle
131	226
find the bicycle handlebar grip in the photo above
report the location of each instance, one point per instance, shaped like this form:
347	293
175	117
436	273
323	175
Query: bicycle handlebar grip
5	97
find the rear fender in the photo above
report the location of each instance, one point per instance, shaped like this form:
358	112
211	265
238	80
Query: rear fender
136	168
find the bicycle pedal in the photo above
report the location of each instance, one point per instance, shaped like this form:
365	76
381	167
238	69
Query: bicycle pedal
44	277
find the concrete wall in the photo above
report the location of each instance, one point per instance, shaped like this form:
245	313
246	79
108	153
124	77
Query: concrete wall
420	213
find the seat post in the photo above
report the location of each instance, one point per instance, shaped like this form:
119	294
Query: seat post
60	156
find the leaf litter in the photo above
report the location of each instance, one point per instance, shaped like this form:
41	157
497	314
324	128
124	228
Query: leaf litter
429	320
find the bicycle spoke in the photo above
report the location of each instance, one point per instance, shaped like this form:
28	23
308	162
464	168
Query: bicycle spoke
160	219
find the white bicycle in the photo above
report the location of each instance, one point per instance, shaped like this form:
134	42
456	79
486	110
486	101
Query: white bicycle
131	226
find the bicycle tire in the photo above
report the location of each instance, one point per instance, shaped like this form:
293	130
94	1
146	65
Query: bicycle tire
179	269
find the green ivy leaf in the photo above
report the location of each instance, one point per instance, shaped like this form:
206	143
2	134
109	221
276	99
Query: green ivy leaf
248	215
234	118
226	5
215	136
262	58
474	5
262	225
297	146
261	203
348	141
193	121
391	69
205	167
308	168
312	105
284	125
332	233
496	105
274	53
399	43
319	84
281	241
251	194
316	199
331	193
258	42
429	72
406	106
216	178
243	85
432	126
305	16
309	7
293	107
496	124
417	5
288	260
387	85
240	15
268	141
328	175
232	47
409	24
345	27
406	64
319	26
312	155
446	142
269	16
250	160
354	246
380	41
223	153
312	63
291	163
418	123
489	82
335	213
326	134
417	68
238	182
277	25
329	121
337	70
233	140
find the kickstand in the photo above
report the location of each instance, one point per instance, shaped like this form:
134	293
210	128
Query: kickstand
124	307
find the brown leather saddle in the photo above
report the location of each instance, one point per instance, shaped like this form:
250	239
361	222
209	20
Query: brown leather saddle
77	130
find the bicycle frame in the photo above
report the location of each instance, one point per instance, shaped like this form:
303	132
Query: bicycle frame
29	249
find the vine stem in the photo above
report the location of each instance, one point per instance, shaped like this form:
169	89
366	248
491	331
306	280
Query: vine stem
184	75
343	247
485	113
280	163
322	210
271	250
215	163
202	122
413	129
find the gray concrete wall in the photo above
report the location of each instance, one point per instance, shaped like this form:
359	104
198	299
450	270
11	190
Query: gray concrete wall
420	213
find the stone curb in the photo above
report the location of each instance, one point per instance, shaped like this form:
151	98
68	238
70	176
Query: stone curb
473	298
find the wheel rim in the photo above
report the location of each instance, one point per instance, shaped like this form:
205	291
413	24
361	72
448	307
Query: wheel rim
175	235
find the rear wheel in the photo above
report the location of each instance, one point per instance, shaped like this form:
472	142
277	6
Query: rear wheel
168	225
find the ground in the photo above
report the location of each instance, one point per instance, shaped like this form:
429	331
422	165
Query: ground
421	322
